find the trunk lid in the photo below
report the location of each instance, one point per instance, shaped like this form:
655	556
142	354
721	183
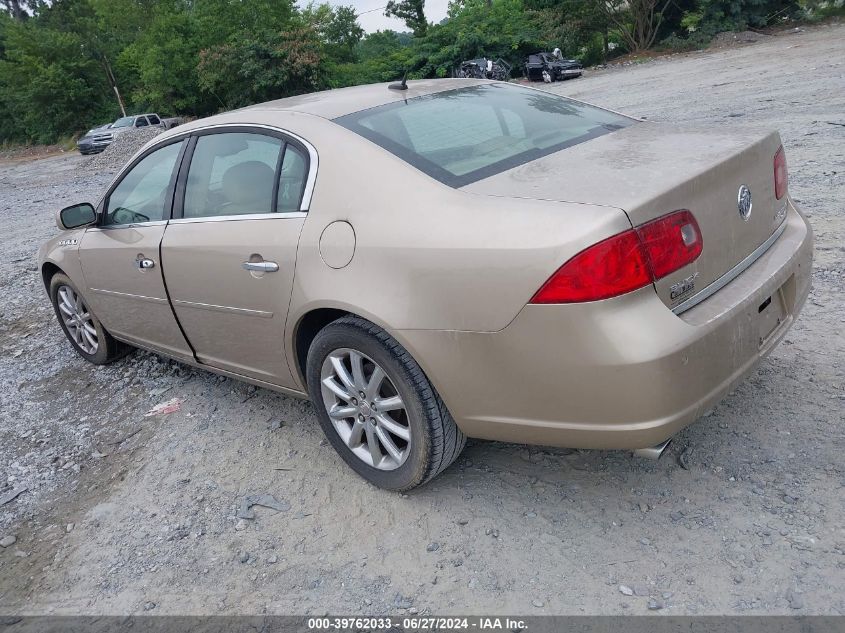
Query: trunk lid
649	170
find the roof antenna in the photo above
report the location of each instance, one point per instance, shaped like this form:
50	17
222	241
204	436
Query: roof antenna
402	85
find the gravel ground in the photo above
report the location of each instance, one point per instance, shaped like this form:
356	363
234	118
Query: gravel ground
120	150
123	513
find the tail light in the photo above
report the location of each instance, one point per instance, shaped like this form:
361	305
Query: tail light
781	174
625	262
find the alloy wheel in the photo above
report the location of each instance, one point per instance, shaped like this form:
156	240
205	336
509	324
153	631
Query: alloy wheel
365	409
78	320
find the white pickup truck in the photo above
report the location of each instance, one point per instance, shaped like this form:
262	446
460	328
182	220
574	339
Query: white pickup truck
99	138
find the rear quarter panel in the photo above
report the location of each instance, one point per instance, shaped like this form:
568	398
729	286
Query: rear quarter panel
428	256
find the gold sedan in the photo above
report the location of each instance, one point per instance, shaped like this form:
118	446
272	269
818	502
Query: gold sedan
445	259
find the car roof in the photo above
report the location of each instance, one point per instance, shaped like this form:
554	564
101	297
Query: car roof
330	104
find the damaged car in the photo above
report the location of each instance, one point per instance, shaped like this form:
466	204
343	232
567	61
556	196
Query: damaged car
548	67
483	68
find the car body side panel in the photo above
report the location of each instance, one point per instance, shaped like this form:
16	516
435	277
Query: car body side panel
62	251
427	256
130	302
234	318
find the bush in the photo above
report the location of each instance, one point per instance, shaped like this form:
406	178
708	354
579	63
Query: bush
694	42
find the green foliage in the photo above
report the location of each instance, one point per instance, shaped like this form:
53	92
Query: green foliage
46	80
260	68
67	65
478	30
815	10
696	41
412	12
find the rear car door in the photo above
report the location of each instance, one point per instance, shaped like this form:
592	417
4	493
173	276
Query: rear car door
230	251
120	256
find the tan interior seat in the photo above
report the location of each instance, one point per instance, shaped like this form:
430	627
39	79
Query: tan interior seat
248	188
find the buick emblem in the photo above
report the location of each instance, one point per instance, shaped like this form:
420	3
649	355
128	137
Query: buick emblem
743	202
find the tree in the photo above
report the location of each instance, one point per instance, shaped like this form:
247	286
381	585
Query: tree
268	65
504	30
578	27
412	12
48	87
637	21
343	29
337	28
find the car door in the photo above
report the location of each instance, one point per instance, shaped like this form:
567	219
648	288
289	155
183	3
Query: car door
120	256
230	251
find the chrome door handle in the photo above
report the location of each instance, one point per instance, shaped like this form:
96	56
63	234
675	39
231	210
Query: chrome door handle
144	264
261	267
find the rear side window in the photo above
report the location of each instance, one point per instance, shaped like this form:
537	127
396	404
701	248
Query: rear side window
153	119
464	135
232	174
291	180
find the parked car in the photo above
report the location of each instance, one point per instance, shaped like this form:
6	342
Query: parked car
547	67
86	144
98	139
456	258
483	68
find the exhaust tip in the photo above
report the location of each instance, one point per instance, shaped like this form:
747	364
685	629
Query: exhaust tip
653	452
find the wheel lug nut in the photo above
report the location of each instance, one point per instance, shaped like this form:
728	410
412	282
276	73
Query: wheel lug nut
361	417
361	393
355	401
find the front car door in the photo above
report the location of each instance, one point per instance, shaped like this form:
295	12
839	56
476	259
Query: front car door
230	251
120	256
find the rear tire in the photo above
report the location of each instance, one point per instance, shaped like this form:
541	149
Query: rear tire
433	439
83	329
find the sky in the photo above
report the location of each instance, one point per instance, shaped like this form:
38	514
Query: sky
371	21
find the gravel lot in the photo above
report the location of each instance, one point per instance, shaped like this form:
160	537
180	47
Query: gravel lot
124	513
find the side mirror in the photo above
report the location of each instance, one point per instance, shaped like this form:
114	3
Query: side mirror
76	216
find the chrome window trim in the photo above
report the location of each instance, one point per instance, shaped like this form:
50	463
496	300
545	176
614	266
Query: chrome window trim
733	273
132	225
313	157
244	216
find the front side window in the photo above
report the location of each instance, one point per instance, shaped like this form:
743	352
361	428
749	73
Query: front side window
463	135
241	173
141	122
142	194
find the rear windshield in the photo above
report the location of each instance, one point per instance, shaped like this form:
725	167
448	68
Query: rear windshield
463	135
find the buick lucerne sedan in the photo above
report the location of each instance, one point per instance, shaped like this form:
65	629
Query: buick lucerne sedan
458	258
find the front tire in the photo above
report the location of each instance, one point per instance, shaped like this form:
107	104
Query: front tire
83	329
377	408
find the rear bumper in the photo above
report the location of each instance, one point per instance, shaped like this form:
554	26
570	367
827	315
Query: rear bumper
624	373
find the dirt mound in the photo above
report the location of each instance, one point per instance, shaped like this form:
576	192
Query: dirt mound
121	150
732	38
